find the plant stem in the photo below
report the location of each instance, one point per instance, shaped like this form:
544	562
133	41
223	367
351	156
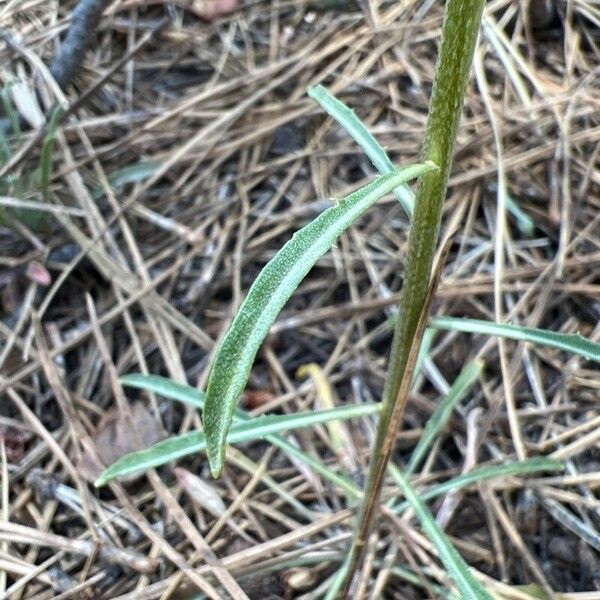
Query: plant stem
462	19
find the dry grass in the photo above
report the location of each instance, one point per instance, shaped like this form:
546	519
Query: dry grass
147	276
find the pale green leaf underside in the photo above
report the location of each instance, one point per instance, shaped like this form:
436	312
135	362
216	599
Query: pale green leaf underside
347	118
194	397
165	387
357	130
244	431
129	174
267	296
457	392
469	587
569	342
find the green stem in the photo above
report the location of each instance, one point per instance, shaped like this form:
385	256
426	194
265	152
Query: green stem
462	19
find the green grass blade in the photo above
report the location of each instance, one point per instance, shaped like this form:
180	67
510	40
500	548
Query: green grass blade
569	342
246	431
428	338
10	109
316	465
190	395
458	570
267	296
515	469
165	387
47	151
525	223
129	174
457	392
40	177
5	150
347	118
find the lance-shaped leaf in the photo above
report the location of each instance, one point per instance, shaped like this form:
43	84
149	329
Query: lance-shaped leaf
267	296
457	392
194	397
455	565
243	431
347	118
570	342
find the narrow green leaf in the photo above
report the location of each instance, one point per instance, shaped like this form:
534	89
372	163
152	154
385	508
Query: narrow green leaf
267	296
160	454
10	110
357	130
129	174
570	342
525	223
458	570
195	398
252	429
457	392
428	337
516	469
5	150
343	482
165	387
190	395
47	151
134	173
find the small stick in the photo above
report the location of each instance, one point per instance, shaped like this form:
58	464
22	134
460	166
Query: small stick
69	57
39	134
20	534
71	52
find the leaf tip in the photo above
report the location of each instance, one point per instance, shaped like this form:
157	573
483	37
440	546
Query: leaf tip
101	481
216	467
215	451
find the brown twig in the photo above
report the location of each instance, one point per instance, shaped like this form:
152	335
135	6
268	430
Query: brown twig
19	534
72	50
40	132
70	55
